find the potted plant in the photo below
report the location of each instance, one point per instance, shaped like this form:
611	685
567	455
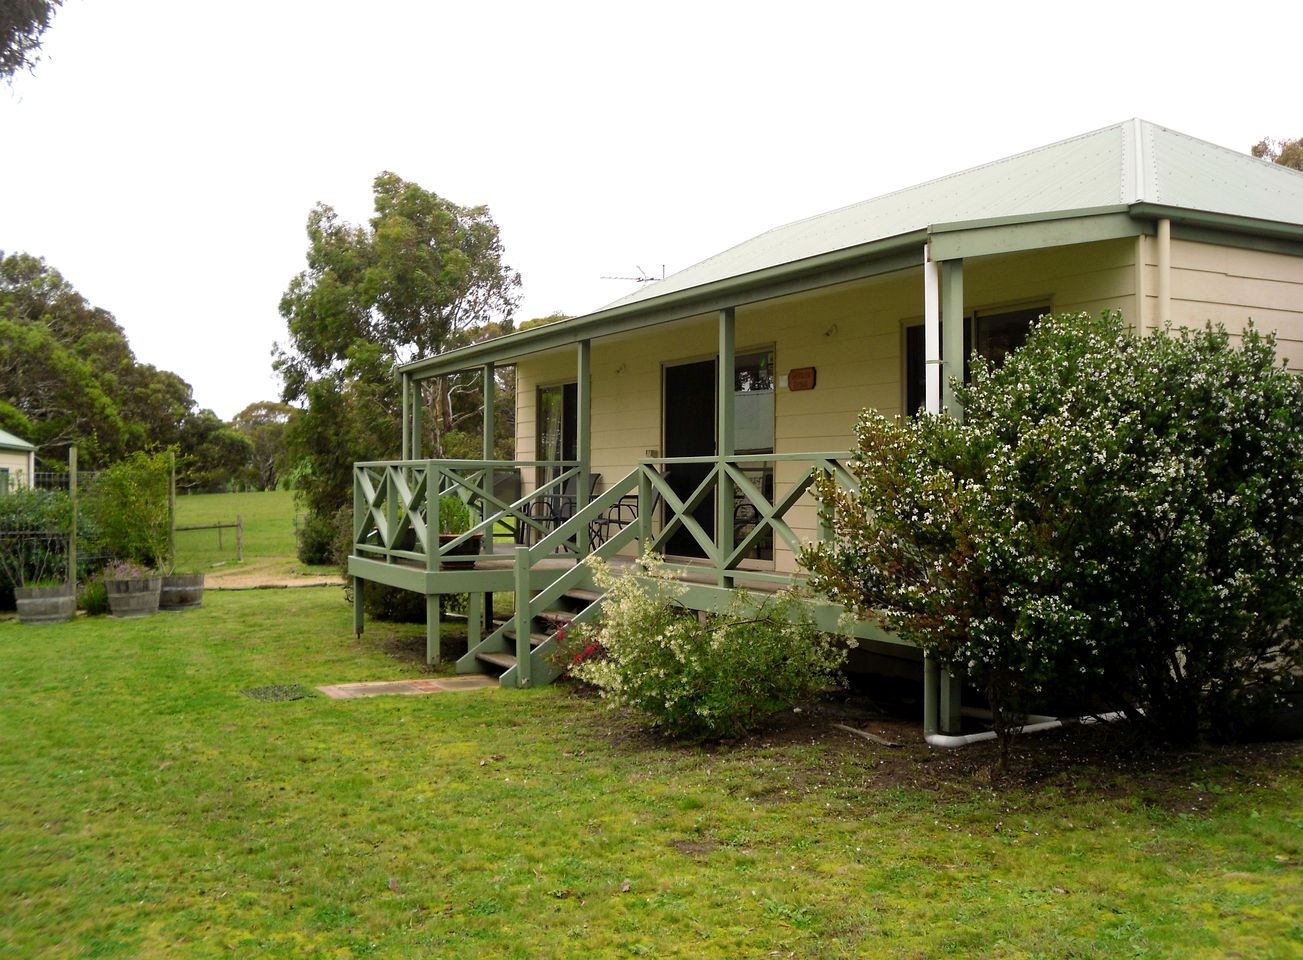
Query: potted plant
132	590
455	520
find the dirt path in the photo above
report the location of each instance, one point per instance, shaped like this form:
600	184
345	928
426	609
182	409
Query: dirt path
268	572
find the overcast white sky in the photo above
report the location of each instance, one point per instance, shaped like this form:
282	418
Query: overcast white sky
164	156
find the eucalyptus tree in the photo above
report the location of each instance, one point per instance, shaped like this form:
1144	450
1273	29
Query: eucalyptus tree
423	276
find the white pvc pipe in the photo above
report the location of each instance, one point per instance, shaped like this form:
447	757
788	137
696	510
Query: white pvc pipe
963	740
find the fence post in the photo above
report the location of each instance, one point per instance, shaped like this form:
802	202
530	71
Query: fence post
72	534
239	538
171	508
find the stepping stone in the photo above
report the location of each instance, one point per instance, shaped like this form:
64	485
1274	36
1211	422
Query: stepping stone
407	688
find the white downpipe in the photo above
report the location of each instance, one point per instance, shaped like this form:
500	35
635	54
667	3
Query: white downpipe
931	335
963	740
1164	273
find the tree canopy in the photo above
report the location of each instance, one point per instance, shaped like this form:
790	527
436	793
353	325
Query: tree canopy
263	424
422	277
1288	153
68	375
22	23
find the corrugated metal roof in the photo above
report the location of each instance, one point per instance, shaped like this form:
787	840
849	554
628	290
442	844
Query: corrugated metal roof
9	442
1130	162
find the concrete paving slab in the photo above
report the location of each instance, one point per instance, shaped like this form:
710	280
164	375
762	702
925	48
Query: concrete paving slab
407	688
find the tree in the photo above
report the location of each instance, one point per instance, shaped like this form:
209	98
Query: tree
213	454
22	22
423	277
263	424
68	375
1288	153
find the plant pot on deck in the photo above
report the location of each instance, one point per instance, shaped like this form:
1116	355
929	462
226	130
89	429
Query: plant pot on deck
131	597
465	552
182	591
45	604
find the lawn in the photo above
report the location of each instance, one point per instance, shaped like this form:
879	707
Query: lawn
268	526
152	810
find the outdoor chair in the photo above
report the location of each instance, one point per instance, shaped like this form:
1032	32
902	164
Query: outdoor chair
554	509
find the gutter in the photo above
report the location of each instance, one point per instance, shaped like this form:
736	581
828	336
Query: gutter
820	270
1219	221
678	305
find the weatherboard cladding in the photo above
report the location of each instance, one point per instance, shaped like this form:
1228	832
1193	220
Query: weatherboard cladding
1131	162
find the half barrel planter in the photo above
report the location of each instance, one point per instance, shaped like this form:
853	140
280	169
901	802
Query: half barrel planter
45	604
133	597
182	591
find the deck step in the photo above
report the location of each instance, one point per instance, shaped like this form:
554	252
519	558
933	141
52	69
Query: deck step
535	639
504	660
589	595
559	618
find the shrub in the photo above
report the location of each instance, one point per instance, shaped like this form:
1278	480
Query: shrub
1117	516
34	540
129	504
454	515
318	538
698	677
93	597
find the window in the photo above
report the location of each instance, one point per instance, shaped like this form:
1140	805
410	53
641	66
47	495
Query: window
992	335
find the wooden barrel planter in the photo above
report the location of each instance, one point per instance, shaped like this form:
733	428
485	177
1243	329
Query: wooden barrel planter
45	604
134	597
182	591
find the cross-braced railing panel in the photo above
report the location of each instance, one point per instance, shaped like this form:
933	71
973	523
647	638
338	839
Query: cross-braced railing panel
396	504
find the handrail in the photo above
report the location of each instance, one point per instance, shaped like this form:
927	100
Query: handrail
528	606
395	496
472	464
392	497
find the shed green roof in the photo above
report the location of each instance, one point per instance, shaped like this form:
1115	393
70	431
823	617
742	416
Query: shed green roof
1120	177
9	442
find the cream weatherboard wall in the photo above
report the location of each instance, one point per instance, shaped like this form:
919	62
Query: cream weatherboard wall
1230	285
18	465
853	334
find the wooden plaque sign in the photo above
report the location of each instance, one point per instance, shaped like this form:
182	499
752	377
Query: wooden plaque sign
800	378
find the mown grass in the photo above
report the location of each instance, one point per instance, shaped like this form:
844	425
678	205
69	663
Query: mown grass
152	810
268	527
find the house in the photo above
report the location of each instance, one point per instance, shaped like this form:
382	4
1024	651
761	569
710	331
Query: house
706	402
17	462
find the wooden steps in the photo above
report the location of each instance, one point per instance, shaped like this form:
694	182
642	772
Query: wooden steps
546	626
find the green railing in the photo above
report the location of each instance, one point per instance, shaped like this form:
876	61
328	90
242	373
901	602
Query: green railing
730	483
396	506
396	518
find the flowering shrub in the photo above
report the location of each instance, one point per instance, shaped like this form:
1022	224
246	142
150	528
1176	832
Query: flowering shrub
700	676
1117	516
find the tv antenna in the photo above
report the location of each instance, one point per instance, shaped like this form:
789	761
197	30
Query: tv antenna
643	276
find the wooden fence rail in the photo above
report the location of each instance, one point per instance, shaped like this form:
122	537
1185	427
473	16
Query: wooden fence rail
237	526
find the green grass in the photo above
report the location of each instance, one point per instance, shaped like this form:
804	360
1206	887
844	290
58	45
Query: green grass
151	810
268	526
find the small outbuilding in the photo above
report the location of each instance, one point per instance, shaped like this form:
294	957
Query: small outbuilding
17	462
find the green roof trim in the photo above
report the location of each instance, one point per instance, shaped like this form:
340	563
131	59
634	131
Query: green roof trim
1110	183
